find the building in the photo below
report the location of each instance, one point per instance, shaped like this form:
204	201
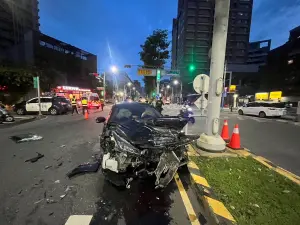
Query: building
16	18
192	36
258	52
282	70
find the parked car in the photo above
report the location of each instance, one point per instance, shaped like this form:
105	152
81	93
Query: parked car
68	104
263	109
52	105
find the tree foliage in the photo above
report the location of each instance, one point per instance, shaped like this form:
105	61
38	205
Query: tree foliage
154	53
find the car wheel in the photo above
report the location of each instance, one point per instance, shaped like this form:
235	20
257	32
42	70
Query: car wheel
241	112
53	111
262	114
21	111
9	119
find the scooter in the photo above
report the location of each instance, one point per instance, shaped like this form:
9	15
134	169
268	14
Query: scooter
5	116
187	112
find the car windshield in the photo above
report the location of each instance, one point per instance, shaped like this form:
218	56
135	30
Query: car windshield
124	112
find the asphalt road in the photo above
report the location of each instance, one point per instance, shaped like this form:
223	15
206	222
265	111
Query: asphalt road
275	139
67	142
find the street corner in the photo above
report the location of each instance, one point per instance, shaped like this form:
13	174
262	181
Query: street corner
212	206
21	120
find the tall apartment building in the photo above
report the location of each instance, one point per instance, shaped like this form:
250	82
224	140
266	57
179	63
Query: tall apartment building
258	52
16	18
193	30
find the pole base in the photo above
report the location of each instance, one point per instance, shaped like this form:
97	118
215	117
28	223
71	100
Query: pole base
211	143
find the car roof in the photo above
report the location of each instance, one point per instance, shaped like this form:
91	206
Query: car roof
119	104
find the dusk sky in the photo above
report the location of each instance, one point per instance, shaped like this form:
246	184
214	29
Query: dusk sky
114	29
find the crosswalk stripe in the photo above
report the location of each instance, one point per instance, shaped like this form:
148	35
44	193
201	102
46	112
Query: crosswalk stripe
79	220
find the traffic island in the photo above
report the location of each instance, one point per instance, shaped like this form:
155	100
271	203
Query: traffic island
244	191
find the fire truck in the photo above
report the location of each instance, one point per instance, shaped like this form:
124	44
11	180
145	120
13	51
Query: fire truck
68	92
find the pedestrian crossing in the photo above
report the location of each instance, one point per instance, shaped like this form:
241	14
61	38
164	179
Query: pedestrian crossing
257	119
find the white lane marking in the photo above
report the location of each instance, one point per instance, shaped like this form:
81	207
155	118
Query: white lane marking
282	121
79	220
257	119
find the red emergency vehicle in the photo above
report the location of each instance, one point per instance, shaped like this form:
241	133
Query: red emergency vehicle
68	92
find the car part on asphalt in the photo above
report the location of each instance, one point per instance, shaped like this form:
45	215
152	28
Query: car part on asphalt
135	146
25	138
35	159
84	168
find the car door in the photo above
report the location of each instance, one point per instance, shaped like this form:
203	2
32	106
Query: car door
46	104
32	105
247	108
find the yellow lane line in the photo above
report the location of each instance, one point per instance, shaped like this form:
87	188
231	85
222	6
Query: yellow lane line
186	201
288	175
192	165
219	208
200	180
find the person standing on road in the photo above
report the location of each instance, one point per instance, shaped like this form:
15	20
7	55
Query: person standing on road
159	104
102	103
74	105
84	103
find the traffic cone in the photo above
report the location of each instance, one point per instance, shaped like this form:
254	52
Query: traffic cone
86	115
225	132
235	142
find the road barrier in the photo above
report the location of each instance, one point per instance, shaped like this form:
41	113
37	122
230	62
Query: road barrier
235	141
225	132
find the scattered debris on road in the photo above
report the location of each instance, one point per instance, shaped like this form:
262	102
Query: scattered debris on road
57	182
50	201
84	168
59	164
62	146
50	214
47	167
25	138
35	159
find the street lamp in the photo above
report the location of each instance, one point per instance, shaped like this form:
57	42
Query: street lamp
114	69
175	82
129	84
168	86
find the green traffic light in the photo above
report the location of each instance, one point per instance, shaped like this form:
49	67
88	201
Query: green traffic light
158	75
192	68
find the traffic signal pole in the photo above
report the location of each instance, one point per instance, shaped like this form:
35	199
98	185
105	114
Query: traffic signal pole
211	140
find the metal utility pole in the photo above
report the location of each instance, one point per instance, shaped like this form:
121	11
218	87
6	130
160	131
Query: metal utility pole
224	84
180	92
39	94
211	140
104	93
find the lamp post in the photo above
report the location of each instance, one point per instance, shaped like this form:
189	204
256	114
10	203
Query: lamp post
175	82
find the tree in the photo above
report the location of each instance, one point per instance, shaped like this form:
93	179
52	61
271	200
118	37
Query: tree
154	54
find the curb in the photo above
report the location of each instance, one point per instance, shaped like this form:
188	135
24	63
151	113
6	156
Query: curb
289	175
212	206
7	125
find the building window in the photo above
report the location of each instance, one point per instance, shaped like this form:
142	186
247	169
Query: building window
191	20
202	35
191	12
191	27
201	43
192	5
190	35
189	43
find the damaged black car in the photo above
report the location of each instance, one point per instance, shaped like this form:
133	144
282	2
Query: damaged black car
137	141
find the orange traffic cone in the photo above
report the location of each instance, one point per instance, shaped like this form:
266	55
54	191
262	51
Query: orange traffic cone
86	115
235	142
225	132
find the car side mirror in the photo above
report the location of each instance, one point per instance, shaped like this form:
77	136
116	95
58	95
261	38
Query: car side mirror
100	119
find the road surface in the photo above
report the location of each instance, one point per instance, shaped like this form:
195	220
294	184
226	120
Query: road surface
275	139
67	142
